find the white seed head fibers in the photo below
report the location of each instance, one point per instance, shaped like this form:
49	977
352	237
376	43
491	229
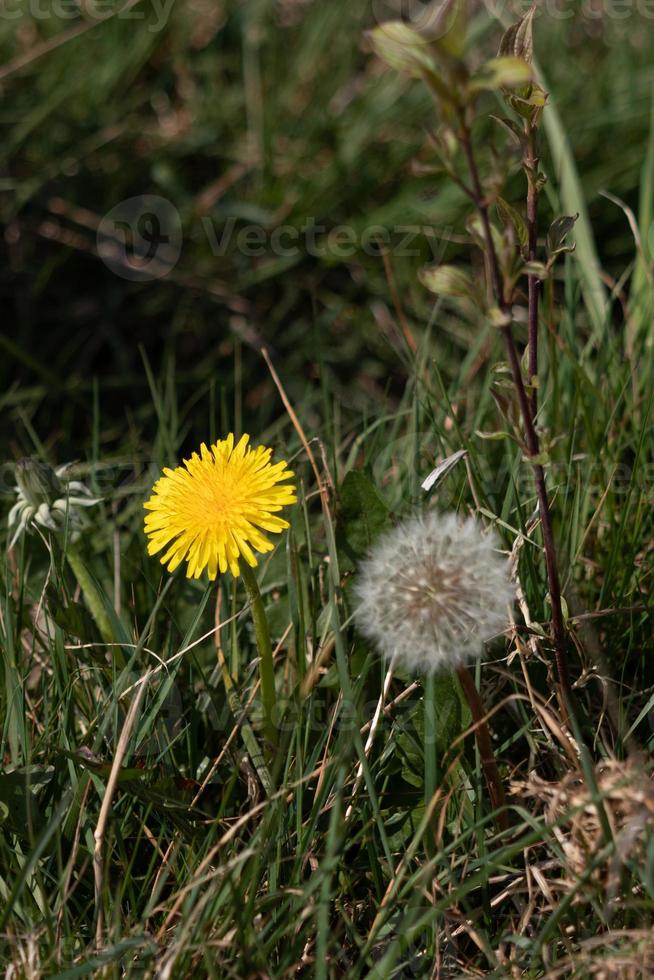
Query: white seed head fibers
433	589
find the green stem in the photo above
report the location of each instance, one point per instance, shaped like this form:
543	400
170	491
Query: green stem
262	636
91	593
240	715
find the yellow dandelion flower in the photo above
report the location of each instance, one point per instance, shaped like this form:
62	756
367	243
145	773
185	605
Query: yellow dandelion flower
212	511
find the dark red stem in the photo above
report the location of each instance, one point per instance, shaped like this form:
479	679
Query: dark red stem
528	413
485	746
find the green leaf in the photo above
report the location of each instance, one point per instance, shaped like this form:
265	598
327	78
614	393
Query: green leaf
518	40
476	229
512	129
447	280
504	72
511	218
403	48
362	515
493	436
419	55
449	27
528	102
85	758
641	296
558	231
538	269
574	200
73	618
564	610
539	459
445	144
17	794
499	318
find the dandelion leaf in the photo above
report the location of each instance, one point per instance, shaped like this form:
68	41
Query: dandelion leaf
17	795
362	516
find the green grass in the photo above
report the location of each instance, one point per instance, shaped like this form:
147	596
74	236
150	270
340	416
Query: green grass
218	858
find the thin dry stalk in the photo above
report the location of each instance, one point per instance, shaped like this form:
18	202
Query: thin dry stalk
107	800
324	493
371	738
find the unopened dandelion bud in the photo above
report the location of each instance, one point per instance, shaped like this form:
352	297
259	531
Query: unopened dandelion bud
46	498
37	481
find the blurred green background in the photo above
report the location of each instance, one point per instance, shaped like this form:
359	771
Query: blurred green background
254	114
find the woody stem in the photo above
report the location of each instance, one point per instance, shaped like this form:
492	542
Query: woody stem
485	746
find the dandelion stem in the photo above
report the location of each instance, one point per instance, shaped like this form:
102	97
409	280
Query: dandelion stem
485	746
238	711
262	636
90	591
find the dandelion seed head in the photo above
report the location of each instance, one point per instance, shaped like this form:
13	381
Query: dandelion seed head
433	590
213	510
